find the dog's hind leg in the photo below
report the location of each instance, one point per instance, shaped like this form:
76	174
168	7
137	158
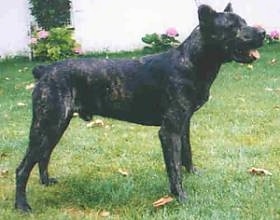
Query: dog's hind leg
51	140
22	175
50	119
41	144
56	120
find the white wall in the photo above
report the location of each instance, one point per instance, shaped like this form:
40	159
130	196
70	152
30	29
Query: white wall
14	26
119	25
256	12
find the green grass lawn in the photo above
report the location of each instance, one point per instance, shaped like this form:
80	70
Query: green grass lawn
236	130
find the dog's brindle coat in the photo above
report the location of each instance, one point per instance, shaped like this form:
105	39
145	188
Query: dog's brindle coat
163	90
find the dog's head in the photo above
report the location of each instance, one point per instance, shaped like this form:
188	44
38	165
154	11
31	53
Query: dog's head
230	34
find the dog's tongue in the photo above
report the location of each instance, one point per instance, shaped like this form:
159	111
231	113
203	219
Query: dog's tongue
255	54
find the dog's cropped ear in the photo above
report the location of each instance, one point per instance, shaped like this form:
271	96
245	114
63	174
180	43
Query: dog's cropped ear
206	14
228	8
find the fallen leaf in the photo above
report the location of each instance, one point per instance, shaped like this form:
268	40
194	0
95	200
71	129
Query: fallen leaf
2	155
273	61
250	66
259	171
3	173
4	197
162	201
21	104
30	86
104	214
76	114
123	172
96	123
241	99
268	89
238	77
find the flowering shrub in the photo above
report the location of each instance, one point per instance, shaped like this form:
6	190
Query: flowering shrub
53	45
273	37
172	32
157	43
43	34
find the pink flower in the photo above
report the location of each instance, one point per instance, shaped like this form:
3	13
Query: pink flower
275	35
172	32
77	50
33	40
43	34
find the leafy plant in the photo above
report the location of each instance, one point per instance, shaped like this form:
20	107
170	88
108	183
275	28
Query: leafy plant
161	42
51	13
53	45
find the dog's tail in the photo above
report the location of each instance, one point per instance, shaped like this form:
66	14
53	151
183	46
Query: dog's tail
39	71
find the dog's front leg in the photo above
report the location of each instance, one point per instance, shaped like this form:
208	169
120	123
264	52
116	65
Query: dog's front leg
186	153
170	137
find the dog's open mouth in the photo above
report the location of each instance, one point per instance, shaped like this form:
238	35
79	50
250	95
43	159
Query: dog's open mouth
254	54
246	56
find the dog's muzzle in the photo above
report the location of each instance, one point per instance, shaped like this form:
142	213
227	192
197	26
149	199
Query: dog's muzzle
247	41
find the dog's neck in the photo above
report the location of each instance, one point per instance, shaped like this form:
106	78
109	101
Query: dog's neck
206	58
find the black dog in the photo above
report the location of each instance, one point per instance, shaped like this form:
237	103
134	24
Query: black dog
163	90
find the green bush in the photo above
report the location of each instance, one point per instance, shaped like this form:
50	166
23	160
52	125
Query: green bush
51	13
53	45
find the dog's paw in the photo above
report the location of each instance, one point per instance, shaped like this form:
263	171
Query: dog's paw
49	181
23	207
53	181
182	197
193	170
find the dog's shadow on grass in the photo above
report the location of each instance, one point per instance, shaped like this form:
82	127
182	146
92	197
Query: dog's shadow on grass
104	192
